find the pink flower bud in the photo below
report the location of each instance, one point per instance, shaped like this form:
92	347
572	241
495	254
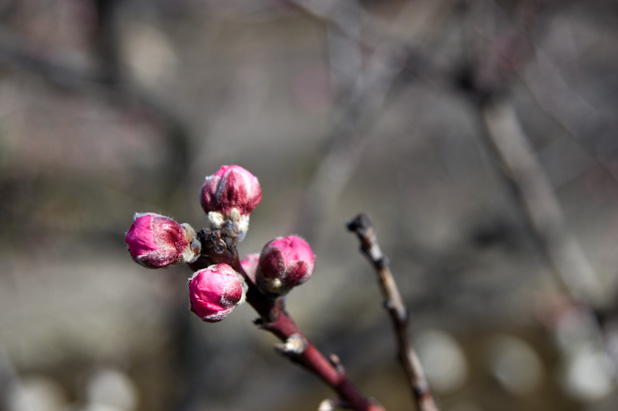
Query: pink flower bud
250	264
228	197
156	241
285	262
215	291
231	187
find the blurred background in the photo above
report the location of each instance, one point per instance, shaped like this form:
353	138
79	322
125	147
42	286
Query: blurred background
479	136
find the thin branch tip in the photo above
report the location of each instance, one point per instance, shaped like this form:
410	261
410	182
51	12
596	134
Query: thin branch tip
359	224
393	303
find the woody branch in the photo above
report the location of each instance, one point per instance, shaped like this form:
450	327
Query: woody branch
363	228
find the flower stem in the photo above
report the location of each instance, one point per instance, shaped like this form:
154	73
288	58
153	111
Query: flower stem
277	321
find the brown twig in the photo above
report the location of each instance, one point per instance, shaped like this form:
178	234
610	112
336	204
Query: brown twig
520	170
362	227
364	99
507	143
538	202
560	91
296	346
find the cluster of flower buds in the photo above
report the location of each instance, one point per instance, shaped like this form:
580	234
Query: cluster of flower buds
228	197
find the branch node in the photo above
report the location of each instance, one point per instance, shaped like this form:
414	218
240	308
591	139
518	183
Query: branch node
294	346
359	224
422	394
336	362
328	404
383	262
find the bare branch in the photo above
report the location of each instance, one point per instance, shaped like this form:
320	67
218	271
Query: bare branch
539	203
356	114
507	142
577	108
362	227
520	170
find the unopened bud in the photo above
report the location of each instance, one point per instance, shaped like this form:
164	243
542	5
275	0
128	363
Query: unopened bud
156	241
215	291
228	197
250	264
285	262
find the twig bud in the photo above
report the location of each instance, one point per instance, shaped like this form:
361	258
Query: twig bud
294	346
328	405
285	262
228	197
215	291
156	241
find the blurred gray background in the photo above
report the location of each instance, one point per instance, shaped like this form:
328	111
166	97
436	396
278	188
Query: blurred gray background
112	107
